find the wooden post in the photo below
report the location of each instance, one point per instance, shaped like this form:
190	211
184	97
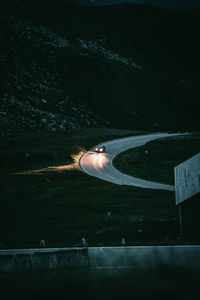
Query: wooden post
180	222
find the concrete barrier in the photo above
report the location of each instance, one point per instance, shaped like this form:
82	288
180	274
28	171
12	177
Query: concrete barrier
142	257
43	259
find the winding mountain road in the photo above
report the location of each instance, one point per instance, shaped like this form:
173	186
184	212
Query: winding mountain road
100	165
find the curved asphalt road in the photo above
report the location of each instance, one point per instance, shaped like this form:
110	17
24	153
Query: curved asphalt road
100	164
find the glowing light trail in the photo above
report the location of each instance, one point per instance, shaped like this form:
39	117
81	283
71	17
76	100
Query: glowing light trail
60	169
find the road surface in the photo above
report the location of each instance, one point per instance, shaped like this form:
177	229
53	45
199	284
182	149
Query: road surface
100	165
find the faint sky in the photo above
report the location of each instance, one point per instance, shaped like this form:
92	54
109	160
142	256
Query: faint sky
174	4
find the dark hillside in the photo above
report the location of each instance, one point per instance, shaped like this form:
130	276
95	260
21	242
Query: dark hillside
122	66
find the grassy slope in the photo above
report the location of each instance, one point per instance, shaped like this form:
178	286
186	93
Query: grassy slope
63	207
157	159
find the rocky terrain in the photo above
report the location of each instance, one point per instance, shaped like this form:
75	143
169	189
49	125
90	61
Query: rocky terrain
73	67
